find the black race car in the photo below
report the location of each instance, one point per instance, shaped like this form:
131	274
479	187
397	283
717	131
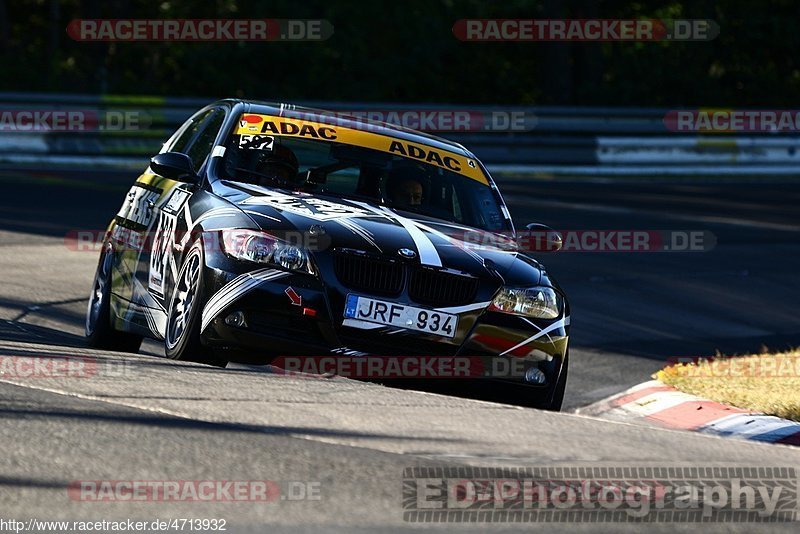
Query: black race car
264	230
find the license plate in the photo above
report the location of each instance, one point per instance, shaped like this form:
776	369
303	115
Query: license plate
400	315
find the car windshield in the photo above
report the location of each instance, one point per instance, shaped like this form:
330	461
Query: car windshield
354	172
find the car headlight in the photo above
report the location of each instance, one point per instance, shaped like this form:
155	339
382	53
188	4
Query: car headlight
261	247
538	302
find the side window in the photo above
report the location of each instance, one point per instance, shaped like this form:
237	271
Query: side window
202	144
187	133
196	137
487	209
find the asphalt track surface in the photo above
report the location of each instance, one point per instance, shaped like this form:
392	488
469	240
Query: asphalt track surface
142	417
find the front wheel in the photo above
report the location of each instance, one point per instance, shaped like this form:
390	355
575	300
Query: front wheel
99	332
182	337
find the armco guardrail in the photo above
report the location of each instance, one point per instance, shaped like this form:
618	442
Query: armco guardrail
550	140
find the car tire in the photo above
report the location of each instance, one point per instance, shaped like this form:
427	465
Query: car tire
100	334
184	317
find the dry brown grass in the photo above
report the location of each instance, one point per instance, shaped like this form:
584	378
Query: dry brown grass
768	383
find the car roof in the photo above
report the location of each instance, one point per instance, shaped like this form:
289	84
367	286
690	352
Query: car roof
350	121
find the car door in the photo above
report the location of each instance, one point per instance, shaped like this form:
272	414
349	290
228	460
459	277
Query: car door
155	207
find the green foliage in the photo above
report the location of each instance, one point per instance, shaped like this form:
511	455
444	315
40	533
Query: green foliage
405	51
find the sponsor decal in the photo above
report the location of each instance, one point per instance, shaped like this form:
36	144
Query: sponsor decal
176	201
256	142
313	208
129	239
139	203
139	208
161	256
299	130
234	290
294	298
250	119
410	150
322	131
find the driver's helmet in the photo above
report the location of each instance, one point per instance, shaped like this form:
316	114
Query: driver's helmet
279	163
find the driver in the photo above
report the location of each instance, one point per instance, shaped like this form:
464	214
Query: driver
405	188
407	192
278	165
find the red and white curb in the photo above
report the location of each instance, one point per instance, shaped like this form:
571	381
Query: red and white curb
661	405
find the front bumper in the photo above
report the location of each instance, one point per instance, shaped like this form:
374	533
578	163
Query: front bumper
297	315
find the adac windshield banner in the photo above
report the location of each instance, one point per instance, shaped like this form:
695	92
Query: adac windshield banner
270	125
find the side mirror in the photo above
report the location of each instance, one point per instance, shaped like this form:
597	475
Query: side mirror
174	166
542	238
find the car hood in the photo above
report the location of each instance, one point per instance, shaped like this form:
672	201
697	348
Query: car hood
325	223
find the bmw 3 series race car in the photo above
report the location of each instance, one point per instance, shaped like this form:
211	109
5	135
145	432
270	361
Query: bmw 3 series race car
264	230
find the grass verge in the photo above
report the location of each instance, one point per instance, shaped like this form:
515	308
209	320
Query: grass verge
768	383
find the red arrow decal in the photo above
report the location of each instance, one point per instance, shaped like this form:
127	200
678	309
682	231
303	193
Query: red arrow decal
296	299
